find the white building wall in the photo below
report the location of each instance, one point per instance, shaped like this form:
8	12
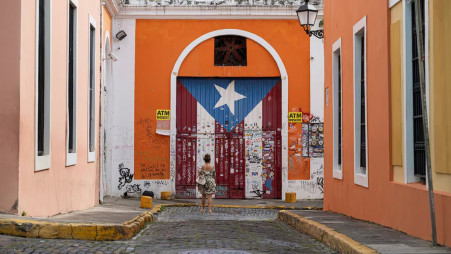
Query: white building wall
314	188
119	165
317	75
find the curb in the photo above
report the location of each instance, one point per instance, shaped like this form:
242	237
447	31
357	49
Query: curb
329	236
79	231
99	232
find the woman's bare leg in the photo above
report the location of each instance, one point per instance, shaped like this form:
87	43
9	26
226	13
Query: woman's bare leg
209	203
203	203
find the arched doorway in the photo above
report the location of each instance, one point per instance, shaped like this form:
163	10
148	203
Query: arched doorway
246	144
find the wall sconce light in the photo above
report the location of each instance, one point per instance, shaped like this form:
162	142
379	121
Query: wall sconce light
307	17
121	35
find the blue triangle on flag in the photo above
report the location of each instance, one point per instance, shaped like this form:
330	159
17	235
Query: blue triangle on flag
227	100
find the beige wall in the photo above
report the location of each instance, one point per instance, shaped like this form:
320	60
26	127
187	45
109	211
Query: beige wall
397	81
59	189
9	104
440	92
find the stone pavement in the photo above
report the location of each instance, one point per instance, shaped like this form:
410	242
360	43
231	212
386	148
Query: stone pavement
119	210
185	230
380	238
229	217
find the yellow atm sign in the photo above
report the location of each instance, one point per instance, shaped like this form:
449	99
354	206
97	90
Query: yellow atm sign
295	117
163	114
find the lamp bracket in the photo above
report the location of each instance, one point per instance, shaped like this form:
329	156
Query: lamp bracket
317	33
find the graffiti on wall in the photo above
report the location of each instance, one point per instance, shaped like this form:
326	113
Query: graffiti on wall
151	160
133	188
298	165
253	161
312	187
305	141
125	176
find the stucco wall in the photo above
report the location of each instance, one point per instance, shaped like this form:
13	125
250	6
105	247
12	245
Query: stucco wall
58	189
105	85
440	92
401	206
9	105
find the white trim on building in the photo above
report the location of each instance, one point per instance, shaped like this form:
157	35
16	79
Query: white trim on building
71	157
359	33
336	50
408	156
92	154
43	162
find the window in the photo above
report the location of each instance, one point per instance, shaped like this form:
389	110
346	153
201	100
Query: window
414	157
337	110
419	153
43	58
71	156
360	102
230	51
91	95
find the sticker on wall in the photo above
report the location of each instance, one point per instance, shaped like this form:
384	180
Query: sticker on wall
163	114
295	117
163	122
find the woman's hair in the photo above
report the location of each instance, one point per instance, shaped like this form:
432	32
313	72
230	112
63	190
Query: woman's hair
207	158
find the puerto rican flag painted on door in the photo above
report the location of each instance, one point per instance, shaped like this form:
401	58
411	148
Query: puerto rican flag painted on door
238	122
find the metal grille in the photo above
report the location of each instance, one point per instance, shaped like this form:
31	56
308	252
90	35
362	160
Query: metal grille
71	88
418	133
339	110
41	77
91	89
362	108
230	51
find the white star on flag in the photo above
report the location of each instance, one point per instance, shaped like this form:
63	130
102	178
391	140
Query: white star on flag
228	96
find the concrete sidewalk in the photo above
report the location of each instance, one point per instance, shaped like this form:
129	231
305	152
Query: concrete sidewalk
377	237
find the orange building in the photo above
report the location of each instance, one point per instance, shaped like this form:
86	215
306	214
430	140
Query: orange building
374	147
193	80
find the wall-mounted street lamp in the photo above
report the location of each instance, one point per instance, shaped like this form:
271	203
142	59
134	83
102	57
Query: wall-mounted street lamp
307	17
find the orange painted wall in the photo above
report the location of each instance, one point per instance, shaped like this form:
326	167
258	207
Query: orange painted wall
159	44
107	24
401	206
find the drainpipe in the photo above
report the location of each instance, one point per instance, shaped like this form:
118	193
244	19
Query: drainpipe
101	116
418	20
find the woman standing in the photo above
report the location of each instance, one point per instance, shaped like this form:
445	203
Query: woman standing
209	188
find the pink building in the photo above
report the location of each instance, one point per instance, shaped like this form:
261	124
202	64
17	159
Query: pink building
49	106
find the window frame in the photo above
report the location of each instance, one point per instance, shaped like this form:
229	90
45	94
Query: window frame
337	50
408	156
359	32
91	81
43	162
71	157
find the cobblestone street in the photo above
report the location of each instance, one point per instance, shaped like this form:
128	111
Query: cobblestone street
186	230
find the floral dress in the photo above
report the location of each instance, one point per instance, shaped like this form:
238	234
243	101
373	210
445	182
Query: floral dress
210	182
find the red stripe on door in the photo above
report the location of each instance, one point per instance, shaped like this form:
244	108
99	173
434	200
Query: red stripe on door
186	143
271	154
